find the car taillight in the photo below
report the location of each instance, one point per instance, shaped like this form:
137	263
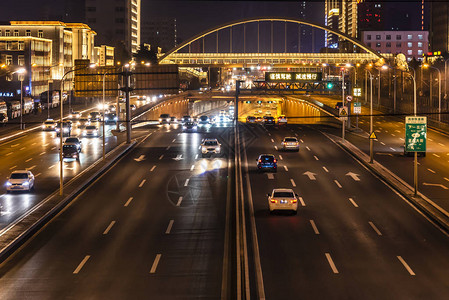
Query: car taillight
274	160
273	201
260	160
294	201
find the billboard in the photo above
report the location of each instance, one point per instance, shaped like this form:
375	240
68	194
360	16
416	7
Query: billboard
293	76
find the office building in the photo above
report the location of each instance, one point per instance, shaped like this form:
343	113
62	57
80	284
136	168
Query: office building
413	44
340	15
160	32
439	27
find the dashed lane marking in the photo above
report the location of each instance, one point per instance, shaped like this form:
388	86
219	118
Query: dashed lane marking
155	263
187	182
129	201
81	265
301	200
375	228
407	267
325	169
286	169
152	169
142	183
338	183
353	202
161	157
179	201
170	225
109	228
331	263
293	182
315	229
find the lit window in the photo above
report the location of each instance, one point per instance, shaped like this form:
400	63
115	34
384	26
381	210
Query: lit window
21	60
21	45
420	37
8	45
40	34
409	44
399	37
377	45
8	60
409	36
16	32
410	52
378	37
419	52
419	44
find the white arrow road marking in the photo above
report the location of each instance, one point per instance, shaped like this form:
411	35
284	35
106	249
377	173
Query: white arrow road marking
310	175
353	176
178	157
140	158
435	184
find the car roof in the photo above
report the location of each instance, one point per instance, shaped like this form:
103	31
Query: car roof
209	140
19	171
283	190
70	144
290	137
266	155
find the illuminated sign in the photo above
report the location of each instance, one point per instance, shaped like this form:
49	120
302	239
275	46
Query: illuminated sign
9	95
292	76
357	92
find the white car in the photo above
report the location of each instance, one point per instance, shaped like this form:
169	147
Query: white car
49	124
75	115
210	146
20	180
90	130
290	143
283	199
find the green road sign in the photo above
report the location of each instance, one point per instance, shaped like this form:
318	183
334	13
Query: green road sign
415	133
357	107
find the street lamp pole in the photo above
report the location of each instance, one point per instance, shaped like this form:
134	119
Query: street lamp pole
371	142
439	89
104	131
343	102
21	103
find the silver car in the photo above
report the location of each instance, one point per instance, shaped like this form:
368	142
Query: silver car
283	199
20	180
210	146
290	143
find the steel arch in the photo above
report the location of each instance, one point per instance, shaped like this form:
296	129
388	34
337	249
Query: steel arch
267	19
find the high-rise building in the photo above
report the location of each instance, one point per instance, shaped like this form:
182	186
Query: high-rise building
340	15
160	32
305	38
370	15
439	26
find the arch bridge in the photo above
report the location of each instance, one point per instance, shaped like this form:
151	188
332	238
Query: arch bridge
227	45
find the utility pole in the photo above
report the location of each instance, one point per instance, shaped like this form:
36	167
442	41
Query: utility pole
127	89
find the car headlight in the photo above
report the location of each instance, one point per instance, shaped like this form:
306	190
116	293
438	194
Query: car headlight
115	119
217	149
8	183
160	120
26	183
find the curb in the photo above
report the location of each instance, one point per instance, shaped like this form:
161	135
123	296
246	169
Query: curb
425	205
24	235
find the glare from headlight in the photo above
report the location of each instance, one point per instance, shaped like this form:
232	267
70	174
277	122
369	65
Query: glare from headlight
25	183
8	183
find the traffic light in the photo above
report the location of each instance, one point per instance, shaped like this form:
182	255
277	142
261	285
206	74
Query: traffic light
329	85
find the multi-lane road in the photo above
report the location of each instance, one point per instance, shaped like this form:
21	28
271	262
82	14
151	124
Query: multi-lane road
163	224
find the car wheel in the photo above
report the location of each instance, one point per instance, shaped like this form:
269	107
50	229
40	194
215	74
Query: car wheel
294	212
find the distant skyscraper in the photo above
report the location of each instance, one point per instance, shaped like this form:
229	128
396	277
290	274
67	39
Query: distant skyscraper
305	40
439	26
340	15
370	15
159	32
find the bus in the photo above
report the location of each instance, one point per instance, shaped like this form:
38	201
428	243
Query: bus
54	99
3	112
28	105
13	109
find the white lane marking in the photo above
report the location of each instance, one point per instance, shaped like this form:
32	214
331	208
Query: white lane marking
270	176
382	143
436	184
187	182
337	183
33	144
272	140
331	263
276	147
375	228
179	201
155	263
196	156
42	154
393	134
199	147
325	169
23	148
430	140
13	167
315	229
129	201
53	148
392	149
174	140
81	265
280	157
353	202
296	134
142	183
192	167
293	182
269	134
15	145
31	168
38	174
9	154
50	167
286	169
301	200
109	228
410	271
45	145
29	159
447	179
301	140
152	169
161	157
170	225
307	147
316	158
401	139
431	171
442	145
436	155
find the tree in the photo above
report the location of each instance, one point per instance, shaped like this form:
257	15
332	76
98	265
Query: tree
147	54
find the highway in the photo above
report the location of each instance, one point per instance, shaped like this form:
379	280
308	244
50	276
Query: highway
162	223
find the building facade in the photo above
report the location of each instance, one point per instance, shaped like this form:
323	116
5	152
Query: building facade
46	49
439	27
370	16
160	32
413	44
117	23
340	15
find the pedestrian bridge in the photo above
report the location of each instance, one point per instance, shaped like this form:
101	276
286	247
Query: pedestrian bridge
262	41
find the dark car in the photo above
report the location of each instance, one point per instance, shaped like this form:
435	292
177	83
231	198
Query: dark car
70	150
66	128
74	140
267	162
110	118
267	120
95	116
164	119
189	126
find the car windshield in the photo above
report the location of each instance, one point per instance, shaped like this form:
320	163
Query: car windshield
210	143
49	122
19	176
283	194
91	127
290	140
267	158
72	140
203	118
164	116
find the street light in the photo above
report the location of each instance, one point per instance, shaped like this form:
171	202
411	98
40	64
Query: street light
371	142
61	132
439	88
21	72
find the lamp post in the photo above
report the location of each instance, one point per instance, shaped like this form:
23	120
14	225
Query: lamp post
343	101
371	142
21	72
439	89
61	132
